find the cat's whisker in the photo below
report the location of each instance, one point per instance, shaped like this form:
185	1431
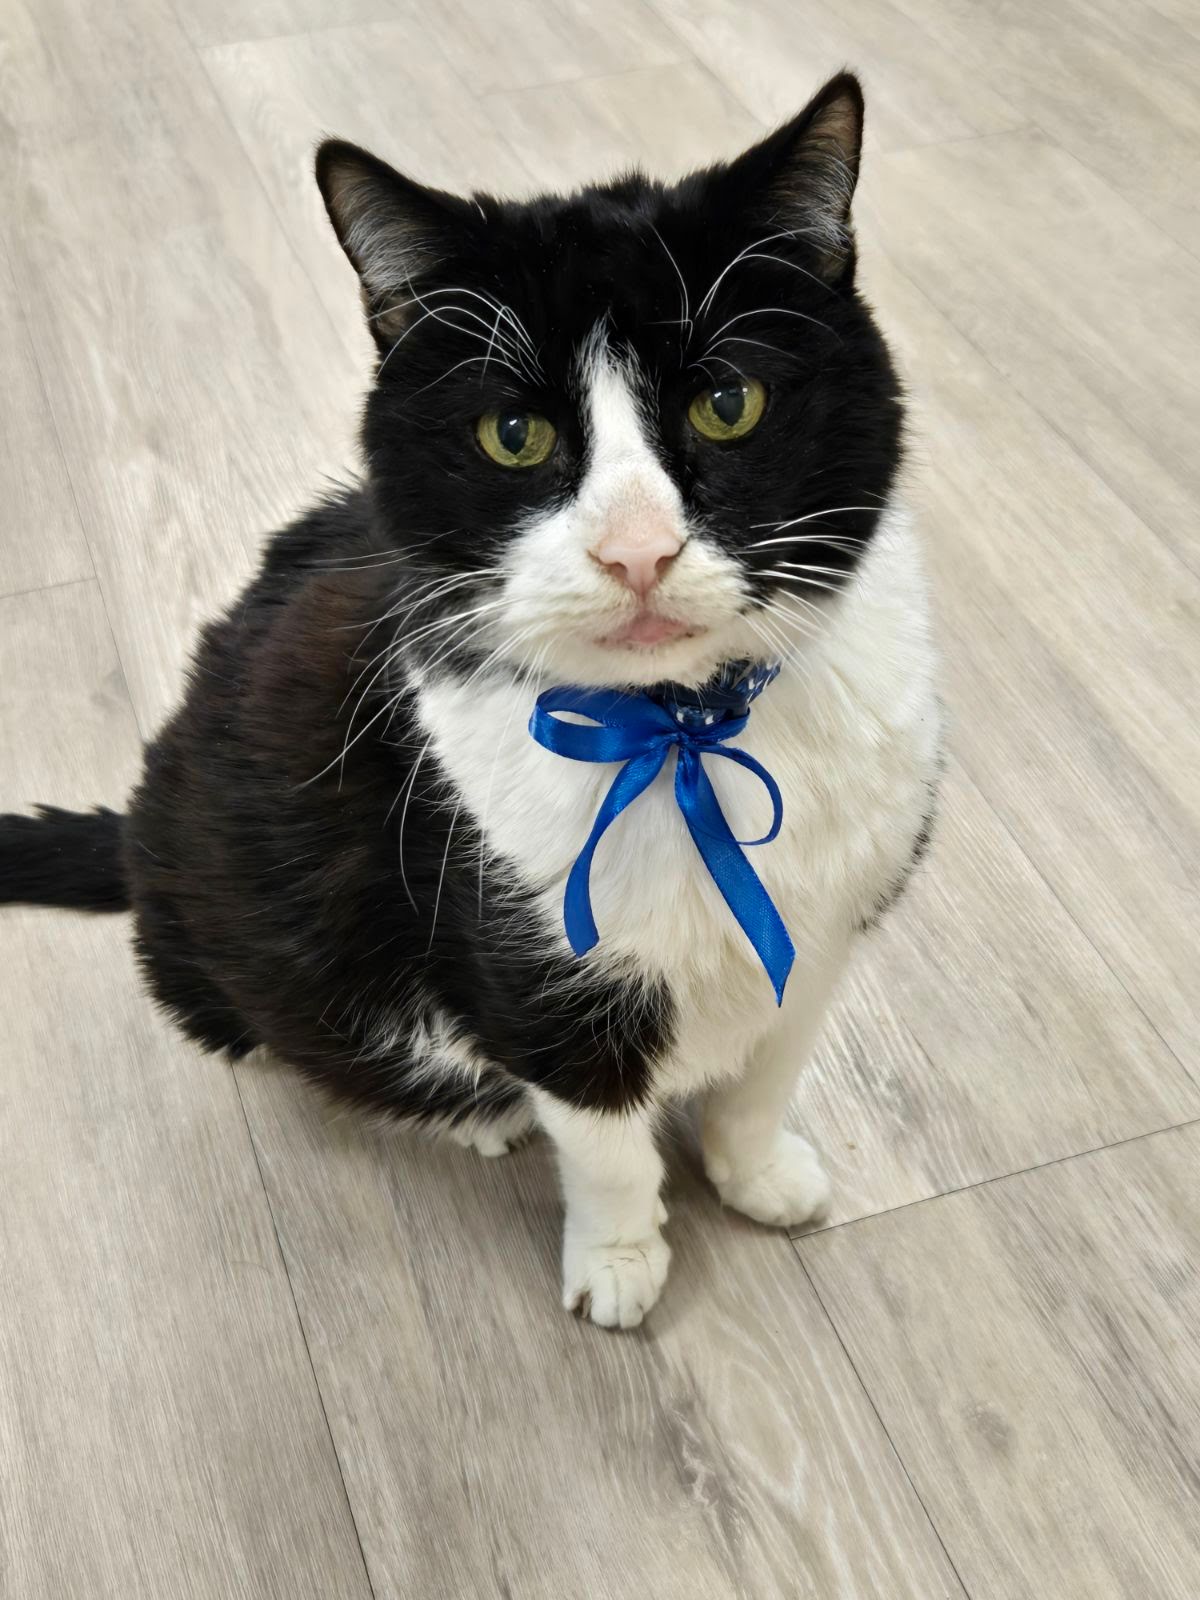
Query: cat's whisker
467	361
408	794
396	646
524	343
752	252
440	313
500	747
735	338
802	566
845	541
802	624
811	516
771	311
436	590
437	903
685	305
781	596
792	577
464	622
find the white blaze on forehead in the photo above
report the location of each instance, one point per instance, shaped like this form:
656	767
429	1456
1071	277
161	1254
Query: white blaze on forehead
623	477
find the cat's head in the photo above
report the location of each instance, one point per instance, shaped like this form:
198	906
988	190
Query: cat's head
633	432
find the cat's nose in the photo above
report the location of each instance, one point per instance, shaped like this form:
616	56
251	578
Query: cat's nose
639	557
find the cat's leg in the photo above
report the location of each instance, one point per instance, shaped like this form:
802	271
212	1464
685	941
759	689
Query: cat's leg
614	1255
495	1135
757	1165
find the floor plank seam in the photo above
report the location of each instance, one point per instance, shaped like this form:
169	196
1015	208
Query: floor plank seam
1003	822
998	1177
1150	222
959	138
198	55
1047	421
692	57
44	588
302	1330
510	91
96	577
878	1415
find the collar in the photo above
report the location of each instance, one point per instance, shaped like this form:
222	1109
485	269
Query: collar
727	694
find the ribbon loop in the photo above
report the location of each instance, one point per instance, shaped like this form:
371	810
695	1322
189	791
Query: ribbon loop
640	732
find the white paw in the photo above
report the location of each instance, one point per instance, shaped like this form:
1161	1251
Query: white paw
614	1284
490	1139
791	1187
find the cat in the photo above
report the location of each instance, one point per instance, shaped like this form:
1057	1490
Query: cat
643	438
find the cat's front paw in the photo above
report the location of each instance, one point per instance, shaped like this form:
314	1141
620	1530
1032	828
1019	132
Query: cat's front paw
789	1188
614	1284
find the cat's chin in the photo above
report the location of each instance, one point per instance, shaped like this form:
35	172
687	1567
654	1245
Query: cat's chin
620	662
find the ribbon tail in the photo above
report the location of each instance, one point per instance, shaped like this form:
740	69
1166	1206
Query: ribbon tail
634	777
737	880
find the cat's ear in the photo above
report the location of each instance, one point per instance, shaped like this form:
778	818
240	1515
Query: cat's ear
801	178
395	232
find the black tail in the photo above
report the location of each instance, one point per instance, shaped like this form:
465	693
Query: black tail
63	858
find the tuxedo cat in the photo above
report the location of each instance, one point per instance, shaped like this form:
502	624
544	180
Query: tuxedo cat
643	438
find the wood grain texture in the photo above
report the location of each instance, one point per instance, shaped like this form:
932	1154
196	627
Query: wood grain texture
494	1446
666	119
161	1432
1092	319
525	43
197	387
980	1033
282	94
43	540
183	354
1031	1347
774	54
1113	83
1067	628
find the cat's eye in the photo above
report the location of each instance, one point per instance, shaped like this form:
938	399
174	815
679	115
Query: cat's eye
516	438
730	411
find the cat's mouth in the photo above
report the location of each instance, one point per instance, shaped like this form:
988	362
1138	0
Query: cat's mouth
649	629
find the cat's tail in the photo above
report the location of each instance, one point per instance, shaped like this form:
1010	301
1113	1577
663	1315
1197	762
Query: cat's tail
64	858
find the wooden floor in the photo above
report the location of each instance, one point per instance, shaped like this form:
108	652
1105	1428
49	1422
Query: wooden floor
250	1350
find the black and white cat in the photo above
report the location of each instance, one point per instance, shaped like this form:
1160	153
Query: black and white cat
617	440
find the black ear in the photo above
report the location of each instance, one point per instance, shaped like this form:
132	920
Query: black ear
397	233
801	178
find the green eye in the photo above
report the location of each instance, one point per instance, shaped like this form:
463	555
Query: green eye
516	438
729	412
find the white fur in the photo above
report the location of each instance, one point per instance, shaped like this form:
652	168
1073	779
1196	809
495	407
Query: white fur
560	601
850	731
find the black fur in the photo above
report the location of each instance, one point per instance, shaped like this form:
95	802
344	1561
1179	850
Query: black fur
64	858
262	852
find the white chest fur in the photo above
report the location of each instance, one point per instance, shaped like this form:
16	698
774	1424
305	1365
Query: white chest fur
850	732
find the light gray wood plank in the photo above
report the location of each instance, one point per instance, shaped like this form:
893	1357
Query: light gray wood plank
283	94
1114	83
197	387
1067	630
210	22
774	54
1010	499
667	120
980	1033
161	1432
1031	1348
529	42
43	540
1093	318
493	1445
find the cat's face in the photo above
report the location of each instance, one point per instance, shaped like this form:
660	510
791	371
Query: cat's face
633	433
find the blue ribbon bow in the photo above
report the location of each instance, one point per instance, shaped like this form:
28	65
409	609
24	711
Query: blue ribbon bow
641	732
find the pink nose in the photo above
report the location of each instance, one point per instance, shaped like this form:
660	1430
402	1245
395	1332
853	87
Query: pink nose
638	559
